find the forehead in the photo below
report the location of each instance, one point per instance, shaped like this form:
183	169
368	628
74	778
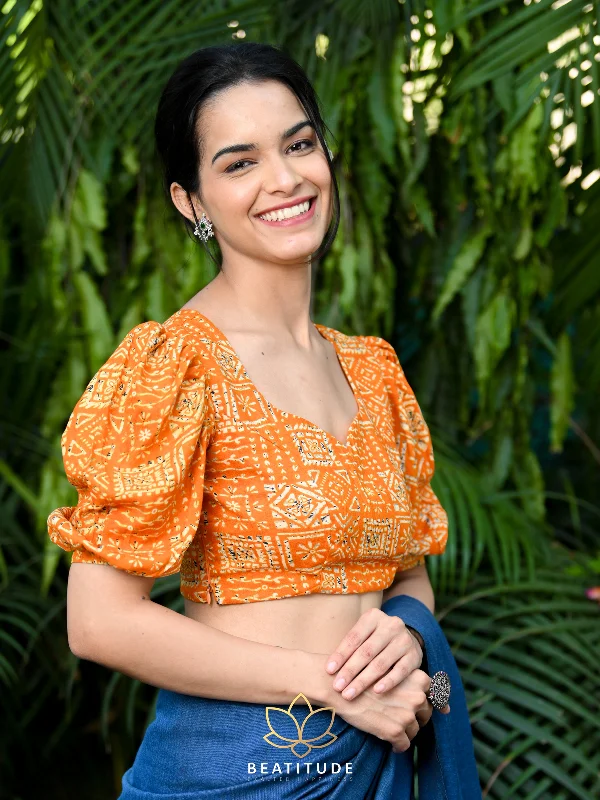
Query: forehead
256	110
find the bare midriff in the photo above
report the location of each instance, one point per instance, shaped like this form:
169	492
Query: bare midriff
315	623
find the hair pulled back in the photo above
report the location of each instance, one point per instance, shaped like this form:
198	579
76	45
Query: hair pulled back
196	80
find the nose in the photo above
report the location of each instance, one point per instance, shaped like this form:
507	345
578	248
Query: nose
281	175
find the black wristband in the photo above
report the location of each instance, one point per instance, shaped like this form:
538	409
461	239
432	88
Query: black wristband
417	636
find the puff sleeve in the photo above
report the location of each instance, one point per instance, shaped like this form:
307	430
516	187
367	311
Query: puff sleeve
413	441
135	448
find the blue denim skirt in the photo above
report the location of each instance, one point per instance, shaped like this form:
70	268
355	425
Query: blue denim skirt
199	747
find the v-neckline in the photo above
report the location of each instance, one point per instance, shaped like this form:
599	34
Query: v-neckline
326	333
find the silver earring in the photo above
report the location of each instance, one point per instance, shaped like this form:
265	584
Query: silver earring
203	228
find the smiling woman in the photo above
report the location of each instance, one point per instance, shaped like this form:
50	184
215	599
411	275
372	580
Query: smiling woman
247	199
260	104
282	467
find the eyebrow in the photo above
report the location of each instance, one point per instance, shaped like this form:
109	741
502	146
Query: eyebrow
242	148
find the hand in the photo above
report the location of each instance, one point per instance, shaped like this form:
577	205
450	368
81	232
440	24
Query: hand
395	716
378	642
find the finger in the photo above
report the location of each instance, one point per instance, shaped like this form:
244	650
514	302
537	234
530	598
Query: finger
445	710
401	743
403	665
423	716
372	660
404	721
424	712
413	729
374	657
357	634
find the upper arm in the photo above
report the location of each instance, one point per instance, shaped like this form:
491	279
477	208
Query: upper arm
420	569
95	593
414	581
414	572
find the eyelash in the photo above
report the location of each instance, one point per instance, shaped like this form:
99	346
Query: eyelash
234	168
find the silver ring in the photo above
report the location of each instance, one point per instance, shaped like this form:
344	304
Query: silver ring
439	691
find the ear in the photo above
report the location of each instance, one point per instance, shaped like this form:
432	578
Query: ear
181	200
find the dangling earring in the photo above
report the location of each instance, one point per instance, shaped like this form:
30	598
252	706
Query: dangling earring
203	228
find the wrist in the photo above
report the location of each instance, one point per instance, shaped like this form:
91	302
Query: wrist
417	636
314	681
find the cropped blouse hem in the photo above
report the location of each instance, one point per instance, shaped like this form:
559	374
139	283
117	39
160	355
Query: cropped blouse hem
251	587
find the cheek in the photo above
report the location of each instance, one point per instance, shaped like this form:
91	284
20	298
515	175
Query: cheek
320	175
321	178
234	200
243	193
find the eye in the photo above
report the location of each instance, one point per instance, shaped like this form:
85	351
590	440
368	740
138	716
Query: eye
303	141
235	166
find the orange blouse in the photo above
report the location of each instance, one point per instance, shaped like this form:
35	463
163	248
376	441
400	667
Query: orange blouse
182	465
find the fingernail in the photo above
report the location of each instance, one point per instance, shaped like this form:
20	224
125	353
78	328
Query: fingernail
331	666
340	683
380	687
349	693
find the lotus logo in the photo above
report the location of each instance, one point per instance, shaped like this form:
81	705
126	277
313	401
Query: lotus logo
287	734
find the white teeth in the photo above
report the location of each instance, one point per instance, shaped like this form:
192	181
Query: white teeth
286	213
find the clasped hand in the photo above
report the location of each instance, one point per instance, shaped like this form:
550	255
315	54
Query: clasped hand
380	652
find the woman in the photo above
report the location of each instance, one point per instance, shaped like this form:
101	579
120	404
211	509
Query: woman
282	467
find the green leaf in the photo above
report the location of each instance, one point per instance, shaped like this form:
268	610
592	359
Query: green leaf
91	192
523	245
76	251
562	393
502	460
348	270
418	195
383	130
504	92
18	485
493	334
66	388
141	246
529	479
554	213
130	159
92	243
96	323
460	271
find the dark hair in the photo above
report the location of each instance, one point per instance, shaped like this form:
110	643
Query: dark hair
197	79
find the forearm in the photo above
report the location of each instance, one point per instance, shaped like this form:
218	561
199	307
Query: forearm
418	586
163	648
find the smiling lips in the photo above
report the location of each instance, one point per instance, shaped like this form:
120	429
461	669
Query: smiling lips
291	215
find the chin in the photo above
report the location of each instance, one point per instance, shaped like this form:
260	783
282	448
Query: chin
295	257
298	253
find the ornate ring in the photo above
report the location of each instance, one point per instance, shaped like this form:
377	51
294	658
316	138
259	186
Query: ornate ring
439	691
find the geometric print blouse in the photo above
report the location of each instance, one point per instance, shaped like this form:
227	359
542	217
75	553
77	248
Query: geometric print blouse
181	465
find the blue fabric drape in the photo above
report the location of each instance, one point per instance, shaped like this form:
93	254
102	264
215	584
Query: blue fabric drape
446	768
199	747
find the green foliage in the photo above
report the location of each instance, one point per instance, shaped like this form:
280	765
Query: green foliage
466	143
526	652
